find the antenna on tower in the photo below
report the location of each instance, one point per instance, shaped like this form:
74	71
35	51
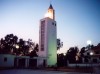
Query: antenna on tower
50	1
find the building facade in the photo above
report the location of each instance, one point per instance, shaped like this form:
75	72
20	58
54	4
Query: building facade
14	61
6	60
48	39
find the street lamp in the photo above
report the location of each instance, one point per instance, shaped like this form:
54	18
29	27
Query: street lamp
91	53
17	47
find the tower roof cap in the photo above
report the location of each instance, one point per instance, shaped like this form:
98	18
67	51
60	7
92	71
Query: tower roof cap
50	7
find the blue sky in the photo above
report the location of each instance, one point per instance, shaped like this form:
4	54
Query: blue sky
77	20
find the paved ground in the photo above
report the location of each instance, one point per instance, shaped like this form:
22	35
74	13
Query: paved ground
27	71
97	70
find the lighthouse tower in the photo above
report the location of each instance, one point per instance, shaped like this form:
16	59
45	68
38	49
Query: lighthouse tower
48	39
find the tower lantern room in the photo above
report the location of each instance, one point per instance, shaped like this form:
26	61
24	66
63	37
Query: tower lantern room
50	13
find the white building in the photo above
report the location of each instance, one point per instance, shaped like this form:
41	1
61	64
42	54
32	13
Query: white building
13	61
48	39
6	60
93	54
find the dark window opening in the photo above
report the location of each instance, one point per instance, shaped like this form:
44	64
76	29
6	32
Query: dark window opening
86	60
88	53
5	59
97	52
42	34
42	49
55	24
52	23
94	60
44	63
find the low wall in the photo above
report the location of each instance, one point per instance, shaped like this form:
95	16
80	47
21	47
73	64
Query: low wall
84	65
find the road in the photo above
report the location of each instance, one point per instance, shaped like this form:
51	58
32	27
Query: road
27	71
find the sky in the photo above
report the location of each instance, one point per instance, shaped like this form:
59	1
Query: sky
77	20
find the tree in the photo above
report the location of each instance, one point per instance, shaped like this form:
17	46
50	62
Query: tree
82	51
23	49
31	45
1	45
12	45
7	44
98	45
34	52
59	44
60	60
71	54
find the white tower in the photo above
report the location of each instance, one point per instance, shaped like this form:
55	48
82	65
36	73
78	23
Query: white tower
48	39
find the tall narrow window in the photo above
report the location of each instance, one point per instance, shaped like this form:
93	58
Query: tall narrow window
42	34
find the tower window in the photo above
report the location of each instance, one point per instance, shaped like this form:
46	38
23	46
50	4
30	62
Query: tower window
42	34
52	23
55	24
42	47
